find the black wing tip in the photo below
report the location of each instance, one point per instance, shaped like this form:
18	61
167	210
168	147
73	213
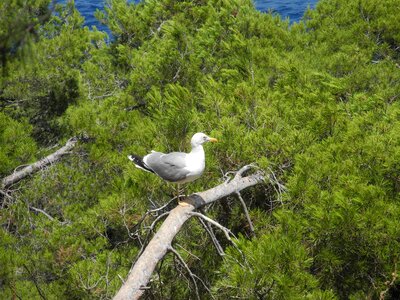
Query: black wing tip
132	157
138	161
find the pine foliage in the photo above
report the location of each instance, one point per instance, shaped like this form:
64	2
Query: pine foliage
316	103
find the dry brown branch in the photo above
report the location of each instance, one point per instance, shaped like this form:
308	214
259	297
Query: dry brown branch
161	242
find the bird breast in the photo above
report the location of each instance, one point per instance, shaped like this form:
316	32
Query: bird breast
195	161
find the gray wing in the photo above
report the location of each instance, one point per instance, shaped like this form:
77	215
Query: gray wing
170	167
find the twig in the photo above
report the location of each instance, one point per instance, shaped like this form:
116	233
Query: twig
187	251
19	167
183	263
40	292
152	211
226	177
164	206
13	288
151	228
205	286
246	212
120	277
388	283
275	182
42	211
225	230
214	239
4	196
87	285
122	212
47	215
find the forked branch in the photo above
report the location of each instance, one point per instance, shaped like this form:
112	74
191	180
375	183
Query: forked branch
161	242
225	230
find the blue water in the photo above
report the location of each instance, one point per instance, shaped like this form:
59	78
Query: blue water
292	9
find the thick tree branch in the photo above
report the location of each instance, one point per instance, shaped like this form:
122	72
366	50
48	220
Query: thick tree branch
161	242
30	169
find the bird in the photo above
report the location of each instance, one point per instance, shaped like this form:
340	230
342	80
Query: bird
176	167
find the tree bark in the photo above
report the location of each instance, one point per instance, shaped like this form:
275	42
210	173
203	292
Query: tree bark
21	174
141	272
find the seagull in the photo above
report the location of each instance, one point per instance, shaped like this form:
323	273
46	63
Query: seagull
177	167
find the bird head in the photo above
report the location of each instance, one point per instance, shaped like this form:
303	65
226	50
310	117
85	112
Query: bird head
201	138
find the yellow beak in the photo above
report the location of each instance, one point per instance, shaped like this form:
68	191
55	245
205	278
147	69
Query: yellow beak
213	140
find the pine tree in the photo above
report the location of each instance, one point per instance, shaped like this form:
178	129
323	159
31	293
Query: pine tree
314	104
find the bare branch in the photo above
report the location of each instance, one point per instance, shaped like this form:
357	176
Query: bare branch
42	211
388	283
225	230
226	176
122	212
214	239
120	277
3	196
192	276
152	211
187	251
161	242
246	212
151	228
279	188
34	279
243	170
30	169
205	286
164	206
47	215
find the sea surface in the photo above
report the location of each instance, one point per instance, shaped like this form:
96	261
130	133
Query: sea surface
292	9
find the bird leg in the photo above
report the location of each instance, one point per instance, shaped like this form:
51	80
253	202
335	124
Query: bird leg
181	195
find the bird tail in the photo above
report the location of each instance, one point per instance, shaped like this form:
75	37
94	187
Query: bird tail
139	163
